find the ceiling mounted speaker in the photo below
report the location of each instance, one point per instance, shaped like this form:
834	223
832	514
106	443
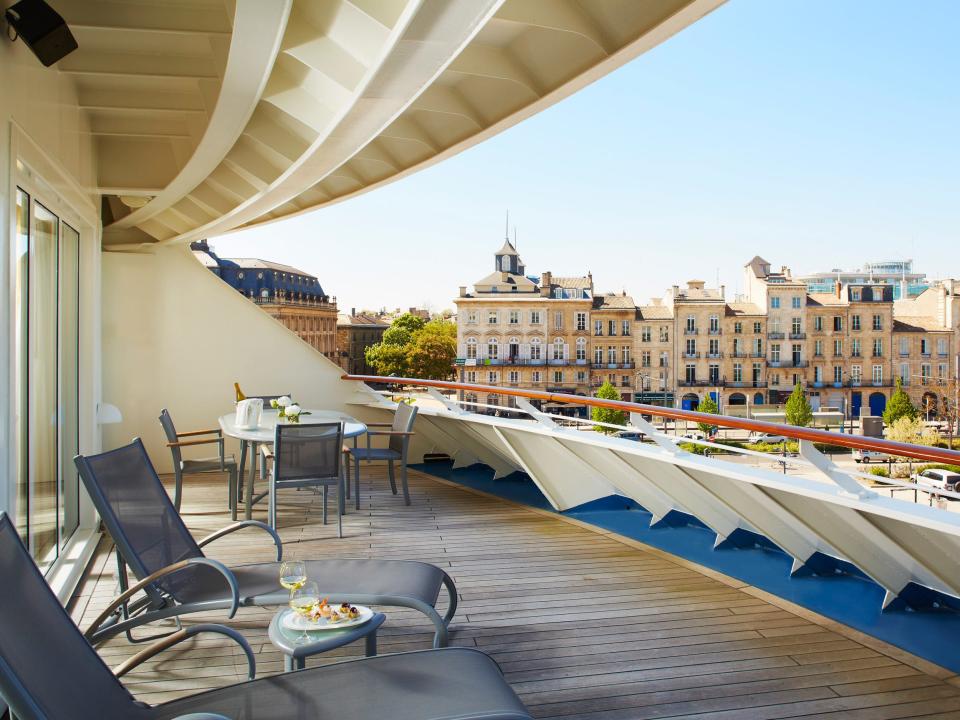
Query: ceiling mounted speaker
42	29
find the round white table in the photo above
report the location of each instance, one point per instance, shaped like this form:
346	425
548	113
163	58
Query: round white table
265	432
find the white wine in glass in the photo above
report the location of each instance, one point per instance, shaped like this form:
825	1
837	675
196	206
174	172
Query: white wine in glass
302	600
293	574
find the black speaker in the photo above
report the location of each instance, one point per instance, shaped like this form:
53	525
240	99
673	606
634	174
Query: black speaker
42	29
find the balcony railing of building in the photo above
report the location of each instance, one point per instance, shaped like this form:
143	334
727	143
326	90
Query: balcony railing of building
818	511
798	336
325	303
691	331
775	335
813	435
691	355
714	356
714	331
788	363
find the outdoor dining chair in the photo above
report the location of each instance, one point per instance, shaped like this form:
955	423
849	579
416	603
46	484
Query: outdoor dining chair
306	455
220	463
48	671
399	433
177	578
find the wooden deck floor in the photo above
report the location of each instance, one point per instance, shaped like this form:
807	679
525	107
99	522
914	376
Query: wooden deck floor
584	623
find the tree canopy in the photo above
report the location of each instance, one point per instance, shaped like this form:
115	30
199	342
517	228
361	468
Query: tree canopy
413	347
798	410
608	415
899	406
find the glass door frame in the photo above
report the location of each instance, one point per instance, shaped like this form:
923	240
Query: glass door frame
33	171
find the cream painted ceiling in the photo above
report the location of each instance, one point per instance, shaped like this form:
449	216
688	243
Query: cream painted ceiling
210	115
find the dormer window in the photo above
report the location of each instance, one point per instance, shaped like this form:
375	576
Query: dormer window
505	263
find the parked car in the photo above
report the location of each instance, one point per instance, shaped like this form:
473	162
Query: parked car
939	479
694	435
634	435
869	456
769	438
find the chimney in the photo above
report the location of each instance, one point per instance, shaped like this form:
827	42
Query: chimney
838	287
676	290
353	312
545	283
695	284
463	291
723	292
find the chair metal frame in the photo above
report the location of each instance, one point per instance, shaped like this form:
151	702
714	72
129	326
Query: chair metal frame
125	613
196	438
399	433
277	482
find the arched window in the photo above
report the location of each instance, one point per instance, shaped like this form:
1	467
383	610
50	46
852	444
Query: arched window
558	349
472	348
536	348
504	264
581	349
493	348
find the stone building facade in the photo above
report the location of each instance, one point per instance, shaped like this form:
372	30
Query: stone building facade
846	348
355	333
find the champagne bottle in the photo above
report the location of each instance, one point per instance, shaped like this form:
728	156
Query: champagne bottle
240	395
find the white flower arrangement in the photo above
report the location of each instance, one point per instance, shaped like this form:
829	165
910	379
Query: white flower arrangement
288	409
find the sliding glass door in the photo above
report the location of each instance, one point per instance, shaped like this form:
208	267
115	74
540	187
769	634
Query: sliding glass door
47	363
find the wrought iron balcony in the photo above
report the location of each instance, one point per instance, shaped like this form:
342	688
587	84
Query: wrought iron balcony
775	335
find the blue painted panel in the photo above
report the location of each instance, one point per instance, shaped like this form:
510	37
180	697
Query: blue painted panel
878	403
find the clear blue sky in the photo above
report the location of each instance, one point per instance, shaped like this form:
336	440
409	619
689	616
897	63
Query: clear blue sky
817	133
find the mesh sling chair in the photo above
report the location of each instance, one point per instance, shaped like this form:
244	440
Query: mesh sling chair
50	672
221	463
306	455
399	434
152	540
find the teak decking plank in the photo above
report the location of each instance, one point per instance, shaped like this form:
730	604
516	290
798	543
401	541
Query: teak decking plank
582	624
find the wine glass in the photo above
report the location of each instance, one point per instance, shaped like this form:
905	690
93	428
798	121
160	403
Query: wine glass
302	600
293	574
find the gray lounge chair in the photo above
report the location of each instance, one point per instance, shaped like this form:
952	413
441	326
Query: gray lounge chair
152	540
400	432
49	672
221	463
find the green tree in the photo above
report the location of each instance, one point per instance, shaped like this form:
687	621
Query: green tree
413	347
899	406
707	405
432	350
402	329
608	415
798	410
387	359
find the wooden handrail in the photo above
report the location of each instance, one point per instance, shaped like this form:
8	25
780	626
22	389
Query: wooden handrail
857	442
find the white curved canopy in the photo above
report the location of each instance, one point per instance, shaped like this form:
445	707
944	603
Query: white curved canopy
212	115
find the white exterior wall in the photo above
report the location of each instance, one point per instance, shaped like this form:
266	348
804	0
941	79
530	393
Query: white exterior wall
175	336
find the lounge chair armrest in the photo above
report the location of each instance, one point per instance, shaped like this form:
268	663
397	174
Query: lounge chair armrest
162	572
244	524
191	433
267	452
201	716
370	425
186	443
389	432
178	637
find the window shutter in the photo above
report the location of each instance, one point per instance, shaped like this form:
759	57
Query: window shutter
462	350
525	351
566	351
